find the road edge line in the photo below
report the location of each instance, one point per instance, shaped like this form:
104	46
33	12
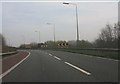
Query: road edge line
13	67
99	57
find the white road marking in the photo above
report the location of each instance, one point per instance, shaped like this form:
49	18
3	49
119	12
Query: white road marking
5	73
57	58
78	68
50	54
101	58
107	59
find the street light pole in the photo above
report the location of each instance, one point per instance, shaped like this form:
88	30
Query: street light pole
23	39
53	29
77	25
76	20
54	32
38	38
39	35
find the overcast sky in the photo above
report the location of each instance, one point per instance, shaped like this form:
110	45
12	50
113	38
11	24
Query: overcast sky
20	20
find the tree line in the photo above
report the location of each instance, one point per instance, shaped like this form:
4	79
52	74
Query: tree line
4	48
108	38
2	40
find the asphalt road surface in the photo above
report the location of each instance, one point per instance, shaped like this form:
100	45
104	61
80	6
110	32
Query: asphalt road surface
59	66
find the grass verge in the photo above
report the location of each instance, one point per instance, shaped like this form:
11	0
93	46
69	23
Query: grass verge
106	54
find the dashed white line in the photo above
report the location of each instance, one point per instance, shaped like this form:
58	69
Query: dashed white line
50	54
57	58
73	66
5	73
78	68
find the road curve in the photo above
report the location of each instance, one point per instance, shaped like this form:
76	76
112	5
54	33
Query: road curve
59	66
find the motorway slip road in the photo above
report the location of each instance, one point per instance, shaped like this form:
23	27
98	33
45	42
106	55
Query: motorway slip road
59	66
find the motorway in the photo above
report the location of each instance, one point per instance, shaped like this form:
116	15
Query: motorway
59	66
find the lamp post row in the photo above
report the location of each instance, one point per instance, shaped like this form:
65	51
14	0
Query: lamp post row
53	31
76	24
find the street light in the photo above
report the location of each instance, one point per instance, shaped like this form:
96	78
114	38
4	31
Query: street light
76	19
23	39
39	35
53	29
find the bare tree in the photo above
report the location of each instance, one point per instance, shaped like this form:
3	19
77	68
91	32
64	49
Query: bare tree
2	40
108	38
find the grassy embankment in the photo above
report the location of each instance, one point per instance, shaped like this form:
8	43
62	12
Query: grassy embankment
100	53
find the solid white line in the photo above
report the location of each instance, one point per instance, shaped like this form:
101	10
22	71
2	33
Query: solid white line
57	58
107	59
5	73
101	57
78	68
50	54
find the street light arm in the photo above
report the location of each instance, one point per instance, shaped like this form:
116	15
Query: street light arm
70	3
49	23
65	3
39	35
